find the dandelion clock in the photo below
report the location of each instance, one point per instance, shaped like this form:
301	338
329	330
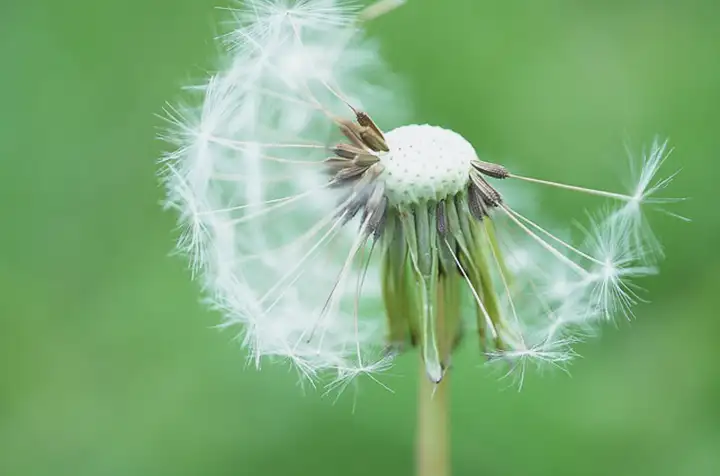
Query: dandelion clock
335	239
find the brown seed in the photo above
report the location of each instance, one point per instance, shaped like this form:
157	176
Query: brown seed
352	132
476	203
490	169
490	196
347	151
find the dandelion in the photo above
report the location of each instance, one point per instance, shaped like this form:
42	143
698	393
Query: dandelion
333	244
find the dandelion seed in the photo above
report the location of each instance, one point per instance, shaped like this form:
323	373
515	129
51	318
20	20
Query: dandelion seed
553	352
619	262
334	244
644	192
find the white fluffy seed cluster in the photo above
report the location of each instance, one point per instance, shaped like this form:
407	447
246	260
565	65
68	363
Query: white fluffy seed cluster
247	179
425	163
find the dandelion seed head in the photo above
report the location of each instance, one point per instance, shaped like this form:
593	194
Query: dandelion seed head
332	245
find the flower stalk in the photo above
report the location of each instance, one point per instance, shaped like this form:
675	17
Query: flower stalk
433	427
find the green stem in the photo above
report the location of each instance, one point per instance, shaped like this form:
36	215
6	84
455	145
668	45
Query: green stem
433	432
433	435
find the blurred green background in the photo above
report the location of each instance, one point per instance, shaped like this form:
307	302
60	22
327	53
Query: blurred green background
110	365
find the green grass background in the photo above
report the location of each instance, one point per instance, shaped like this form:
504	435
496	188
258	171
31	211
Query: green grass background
109	365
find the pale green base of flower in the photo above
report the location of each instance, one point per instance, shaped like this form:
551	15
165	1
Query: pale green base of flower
431	251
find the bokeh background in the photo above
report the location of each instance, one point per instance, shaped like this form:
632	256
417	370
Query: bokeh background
110	365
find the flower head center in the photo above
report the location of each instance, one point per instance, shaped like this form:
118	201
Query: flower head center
425	163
